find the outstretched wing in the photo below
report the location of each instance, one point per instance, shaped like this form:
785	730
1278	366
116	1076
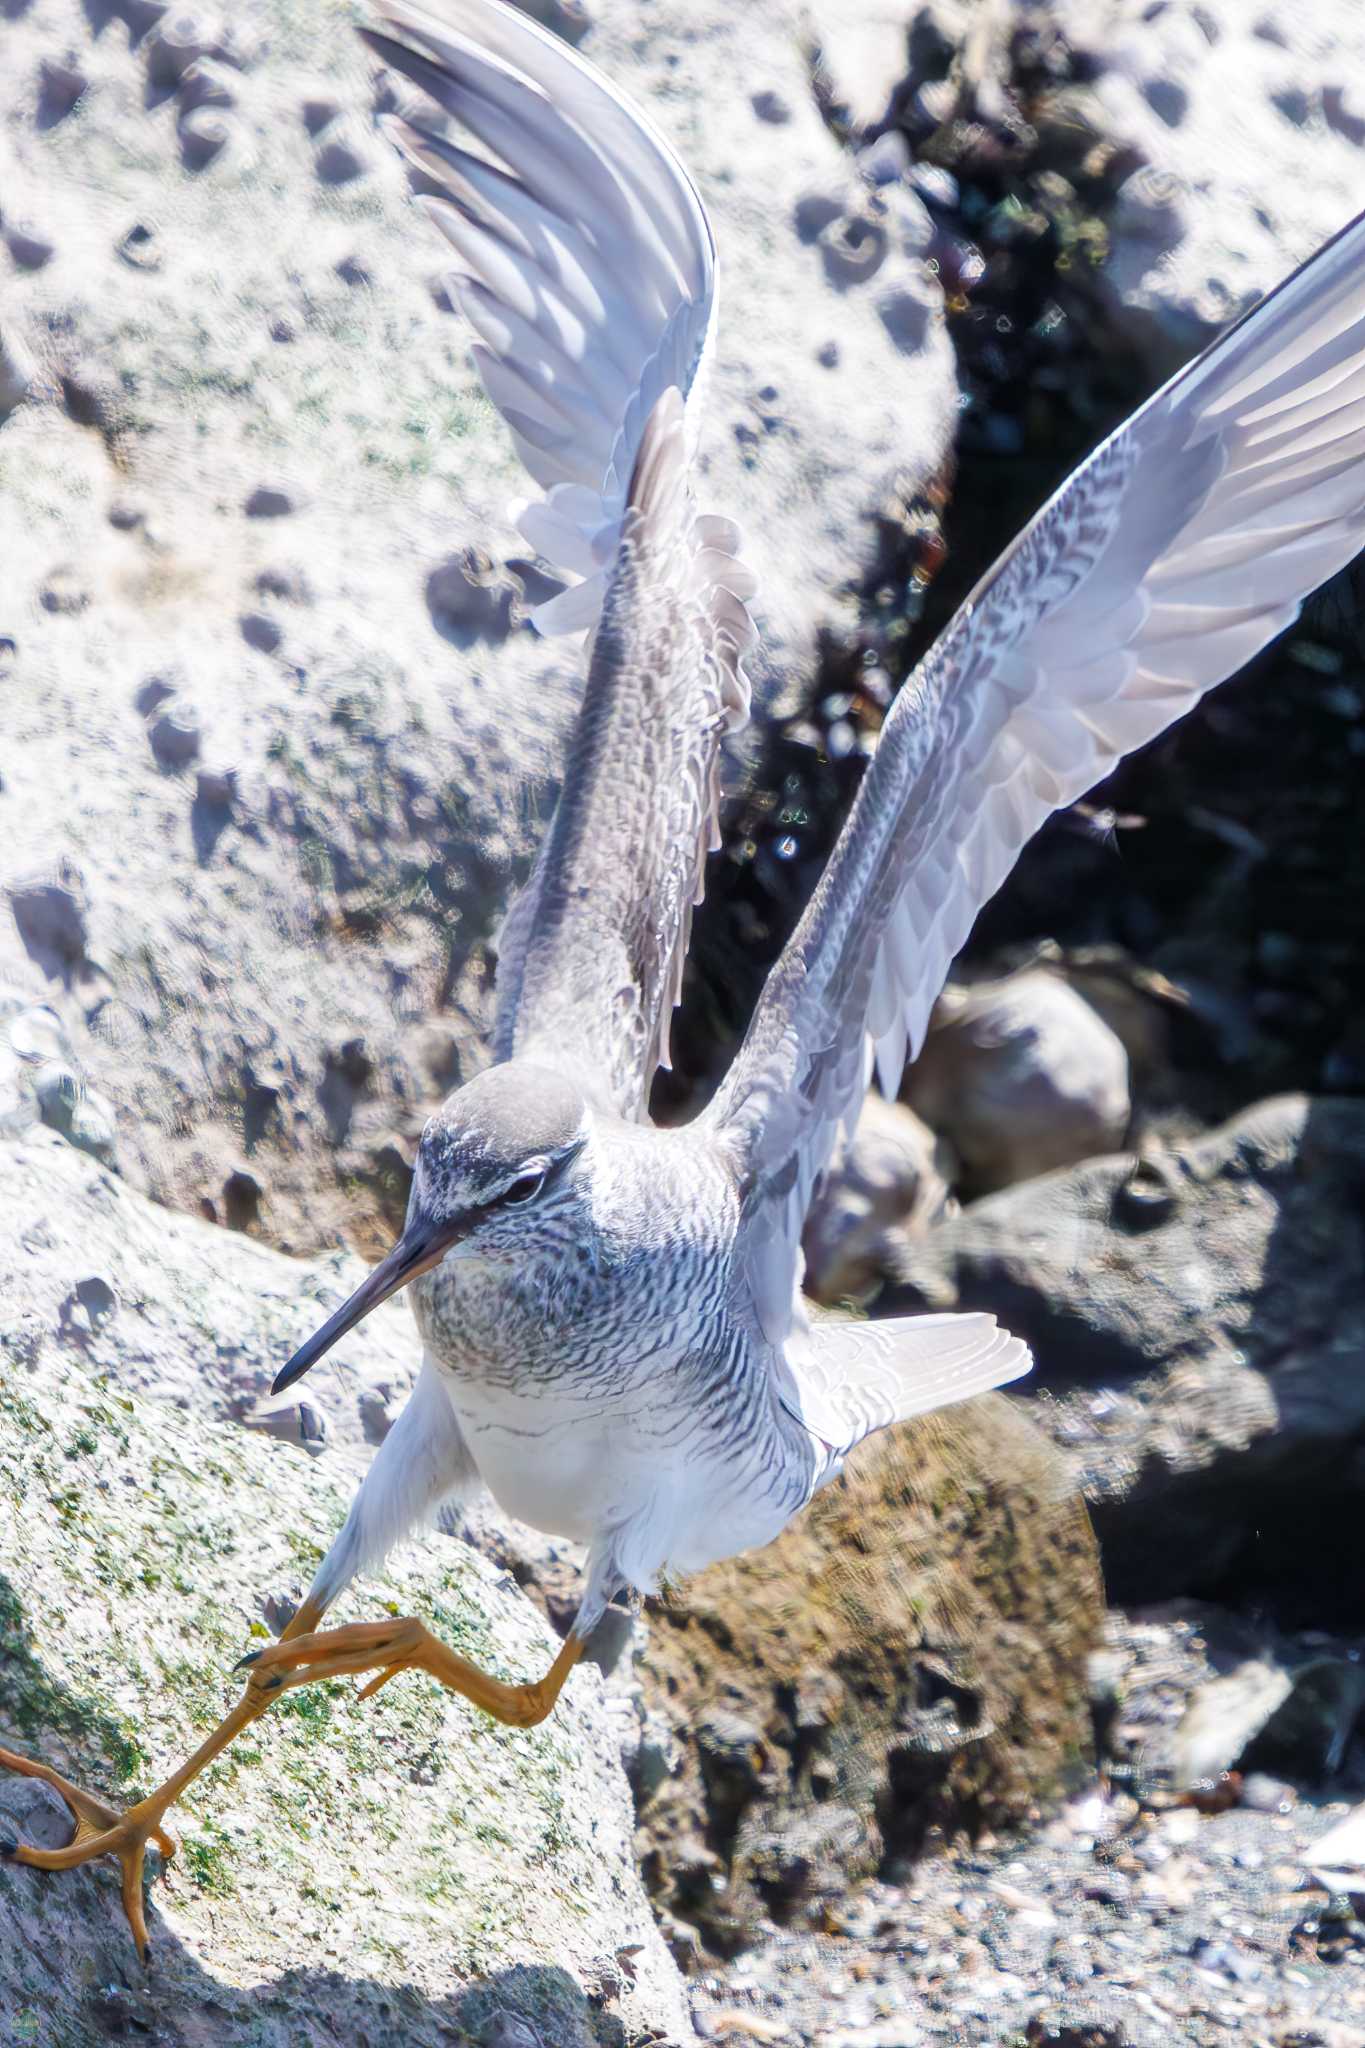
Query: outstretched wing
1175	552
588	268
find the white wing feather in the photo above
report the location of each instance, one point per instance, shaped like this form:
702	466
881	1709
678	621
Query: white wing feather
1171	556
585	263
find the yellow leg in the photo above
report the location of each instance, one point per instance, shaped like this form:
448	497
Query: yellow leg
100	1830
389	1647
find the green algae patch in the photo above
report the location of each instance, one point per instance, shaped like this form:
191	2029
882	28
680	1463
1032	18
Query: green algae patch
404	1847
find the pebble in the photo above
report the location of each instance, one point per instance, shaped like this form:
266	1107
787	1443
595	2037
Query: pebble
260	632
176	735
339	163
60	86
204	134
174	46
30	247
268	501
138	247
204	84
318	113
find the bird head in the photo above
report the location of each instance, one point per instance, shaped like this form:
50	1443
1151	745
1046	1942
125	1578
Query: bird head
491	1162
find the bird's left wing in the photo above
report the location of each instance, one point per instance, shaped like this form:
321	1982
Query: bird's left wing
588	269
1170	557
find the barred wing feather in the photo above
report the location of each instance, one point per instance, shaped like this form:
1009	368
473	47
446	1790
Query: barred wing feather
1171	556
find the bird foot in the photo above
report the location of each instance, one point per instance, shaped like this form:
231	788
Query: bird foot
100	1830
388	1647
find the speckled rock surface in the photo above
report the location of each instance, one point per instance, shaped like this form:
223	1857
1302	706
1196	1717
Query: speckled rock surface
178	1308
240	725
405	1868
1247	126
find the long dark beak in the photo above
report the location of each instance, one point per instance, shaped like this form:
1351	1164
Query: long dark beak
422	1246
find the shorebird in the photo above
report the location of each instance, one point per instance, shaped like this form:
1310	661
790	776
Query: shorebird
615	1338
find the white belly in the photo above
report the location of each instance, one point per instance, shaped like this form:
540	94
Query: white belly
556	1465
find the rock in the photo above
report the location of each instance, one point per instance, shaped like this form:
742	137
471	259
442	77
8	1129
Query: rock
267	501
469	597
907	1661
339	162
1019	1076
219	1313
176	734
1337	1859
1195	1317
893	1176
260	632
60	85
31	246
1295	1716
204	134
366	1860
50	918
1242	179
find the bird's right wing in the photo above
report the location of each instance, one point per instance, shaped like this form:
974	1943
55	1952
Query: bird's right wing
1171	556
585	262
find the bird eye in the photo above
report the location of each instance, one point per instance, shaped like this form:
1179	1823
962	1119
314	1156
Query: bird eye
526	1188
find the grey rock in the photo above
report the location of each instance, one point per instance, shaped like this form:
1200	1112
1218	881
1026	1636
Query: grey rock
31	246
61	82
1246	170
268	501
393	776
204	134
260	632
176	734
1197	1318
50	918
470	597
891	1177
1020	1075
1291	1714
340	162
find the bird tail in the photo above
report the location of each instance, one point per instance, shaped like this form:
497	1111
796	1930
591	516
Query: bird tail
848	1378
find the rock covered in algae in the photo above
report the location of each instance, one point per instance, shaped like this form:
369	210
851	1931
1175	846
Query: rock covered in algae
402	1869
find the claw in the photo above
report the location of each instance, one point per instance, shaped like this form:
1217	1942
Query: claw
251	1657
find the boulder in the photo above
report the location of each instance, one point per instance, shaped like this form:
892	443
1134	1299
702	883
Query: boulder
347	1872
358	774
1197	1319
906	1664
1019	1075
892	1176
